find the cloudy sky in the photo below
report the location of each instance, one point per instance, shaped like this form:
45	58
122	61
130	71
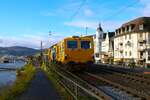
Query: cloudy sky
27	22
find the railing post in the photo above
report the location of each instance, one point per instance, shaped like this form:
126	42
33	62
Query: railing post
76	91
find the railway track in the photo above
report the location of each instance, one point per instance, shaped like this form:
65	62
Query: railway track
130	81
138	77
132	77
117	91
122	70
101	87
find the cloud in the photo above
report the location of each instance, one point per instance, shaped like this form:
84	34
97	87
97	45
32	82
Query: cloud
47	13
106	25
29	40
111	25
65	10
1	40
82	24
88	12
146	9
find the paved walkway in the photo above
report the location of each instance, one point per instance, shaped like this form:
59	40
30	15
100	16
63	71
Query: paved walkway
40	89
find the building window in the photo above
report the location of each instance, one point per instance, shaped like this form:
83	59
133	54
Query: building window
125	36
141	35
129	36
141	44
130	53
72	44
148	52
148	57
128	43
141	27
132	27
149	38
126	53
127	28
141	54
125	45
85	44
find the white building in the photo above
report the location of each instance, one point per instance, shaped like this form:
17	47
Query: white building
107	47
103	46
132	42
98	38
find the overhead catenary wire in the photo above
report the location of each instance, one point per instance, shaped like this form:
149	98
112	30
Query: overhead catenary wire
121	10
77	11
104	18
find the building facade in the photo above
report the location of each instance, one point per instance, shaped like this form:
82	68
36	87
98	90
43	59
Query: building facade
132	42
108	47
98	38
103	46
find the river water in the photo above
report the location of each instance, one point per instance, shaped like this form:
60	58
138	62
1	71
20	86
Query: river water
8	77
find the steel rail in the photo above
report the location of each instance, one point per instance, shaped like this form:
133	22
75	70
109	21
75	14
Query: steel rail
128	90
128	76
113	67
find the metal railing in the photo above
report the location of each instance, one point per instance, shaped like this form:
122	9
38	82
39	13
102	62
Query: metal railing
76	85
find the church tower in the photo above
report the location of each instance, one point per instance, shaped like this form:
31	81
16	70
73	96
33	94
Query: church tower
98	43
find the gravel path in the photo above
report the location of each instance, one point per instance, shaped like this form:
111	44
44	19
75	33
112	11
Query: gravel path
40	89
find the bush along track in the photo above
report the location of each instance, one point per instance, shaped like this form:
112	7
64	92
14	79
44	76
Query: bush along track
53	77
23	78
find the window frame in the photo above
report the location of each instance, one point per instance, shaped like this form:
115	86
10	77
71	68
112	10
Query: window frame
141	27
90	45
75	41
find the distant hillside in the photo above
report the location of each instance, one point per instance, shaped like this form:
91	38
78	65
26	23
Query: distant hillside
17	51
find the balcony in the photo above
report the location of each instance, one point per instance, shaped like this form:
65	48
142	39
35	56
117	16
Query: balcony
141	48
142	58
141	40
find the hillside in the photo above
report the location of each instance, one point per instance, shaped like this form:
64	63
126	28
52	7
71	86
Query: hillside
17	51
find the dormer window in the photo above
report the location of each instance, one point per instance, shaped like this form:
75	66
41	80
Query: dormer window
123	29
119	31
132	26
141	27
116	32
127	28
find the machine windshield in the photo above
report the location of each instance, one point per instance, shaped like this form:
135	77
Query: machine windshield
85	44
72	44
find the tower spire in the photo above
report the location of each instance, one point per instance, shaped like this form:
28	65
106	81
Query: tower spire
99	27
99	24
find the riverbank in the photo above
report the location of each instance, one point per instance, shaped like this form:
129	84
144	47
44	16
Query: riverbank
24	76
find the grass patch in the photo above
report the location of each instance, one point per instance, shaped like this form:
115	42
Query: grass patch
23	79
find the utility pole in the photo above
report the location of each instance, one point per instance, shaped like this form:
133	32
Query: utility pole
41	47
86	28
50	33
41	50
